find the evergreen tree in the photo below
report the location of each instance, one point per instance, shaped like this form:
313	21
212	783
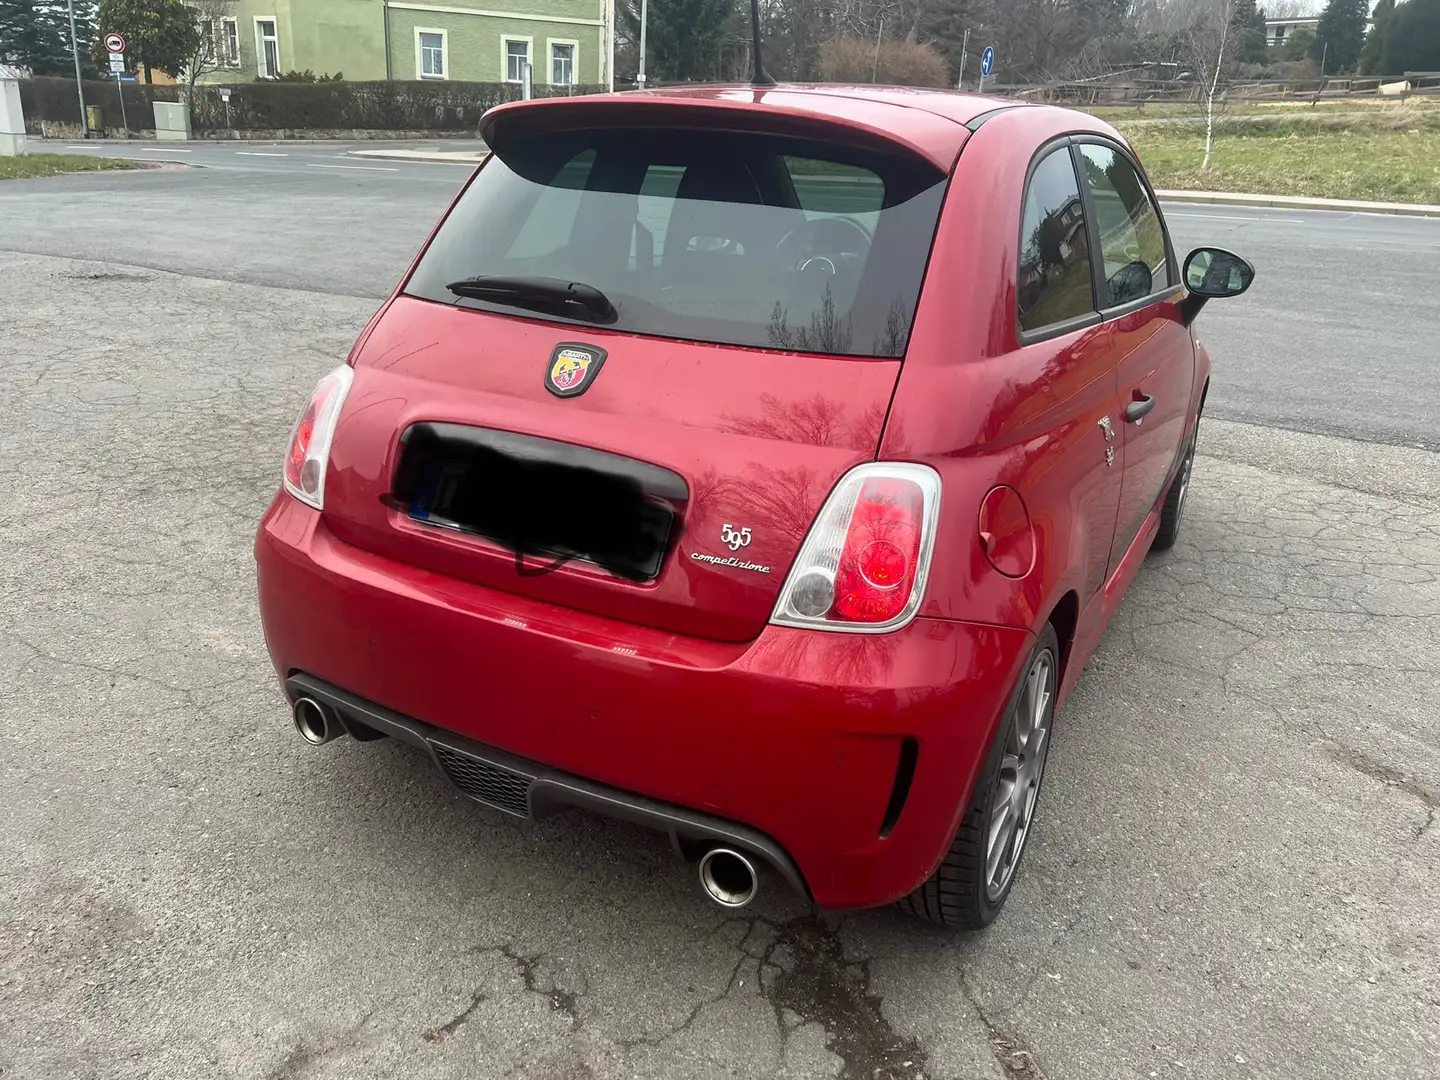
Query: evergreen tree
36	35
1297	45
683	40
1374	47
1250	25
1412	40
1340	35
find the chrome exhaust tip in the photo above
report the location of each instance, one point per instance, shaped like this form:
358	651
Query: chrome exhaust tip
315	722
728	877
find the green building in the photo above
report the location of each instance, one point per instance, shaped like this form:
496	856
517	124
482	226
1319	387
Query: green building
564	42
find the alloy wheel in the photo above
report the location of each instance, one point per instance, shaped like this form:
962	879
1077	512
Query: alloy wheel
1185	467
1017	784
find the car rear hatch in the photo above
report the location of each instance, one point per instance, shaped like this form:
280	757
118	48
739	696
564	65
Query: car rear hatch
634	360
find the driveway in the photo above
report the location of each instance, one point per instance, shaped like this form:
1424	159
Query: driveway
1236	872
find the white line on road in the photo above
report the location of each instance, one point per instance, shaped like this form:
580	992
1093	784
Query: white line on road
164	150
258	153
366	168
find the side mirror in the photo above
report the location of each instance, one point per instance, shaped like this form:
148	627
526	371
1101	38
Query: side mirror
1213	274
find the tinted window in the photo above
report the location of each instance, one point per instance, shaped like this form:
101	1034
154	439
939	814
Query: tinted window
731	238
1055	277
1128	229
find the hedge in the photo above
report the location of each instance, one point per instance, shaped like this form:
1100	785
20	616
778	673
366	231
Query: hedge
267	106
375	106
54	99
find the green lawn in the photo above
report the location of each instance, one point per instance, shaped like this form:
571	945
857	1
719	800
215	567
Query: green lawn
31	165
1290	108
1390	158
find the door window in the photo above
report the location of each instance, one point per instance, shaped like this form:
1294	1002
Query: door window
1056	283
1127	227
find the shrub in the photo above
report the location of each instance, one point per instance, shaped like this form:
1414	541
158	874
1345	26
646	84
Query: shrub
377	106
900	62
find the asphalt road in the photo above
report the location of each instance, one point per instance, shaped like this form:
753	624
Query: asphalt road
1334	337
1236	873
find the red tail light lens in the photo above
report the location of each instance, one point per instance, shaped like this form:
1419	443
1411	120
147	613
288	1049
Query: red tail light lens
882	546
864	565
309	454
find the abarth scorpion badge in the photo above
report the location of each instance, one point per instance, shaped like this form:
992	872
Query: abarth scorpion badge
573	368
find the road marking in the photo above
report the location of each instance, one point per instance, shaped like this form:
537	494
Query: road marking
366	168
164	150
258	153
1232	217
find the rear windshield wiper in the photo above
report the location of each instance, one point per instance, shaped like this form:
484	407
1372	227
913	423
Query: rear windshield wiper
571	298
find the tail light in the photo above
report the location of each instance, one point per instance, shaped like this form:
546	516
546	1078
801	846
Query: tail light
864	565
310	444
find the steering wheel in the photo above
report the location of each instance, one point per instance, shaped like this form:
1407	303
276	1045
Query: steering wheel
824	245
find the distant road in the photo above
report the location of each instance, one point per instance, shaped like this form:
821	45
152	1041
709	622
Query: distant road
1335	337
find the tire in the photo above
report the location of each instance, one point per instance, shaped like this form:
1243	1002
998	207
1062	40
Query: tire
1175	498
963	893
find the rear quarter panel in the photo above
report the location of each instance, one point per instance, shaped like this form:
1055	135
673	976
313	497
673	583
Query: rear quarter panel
983	411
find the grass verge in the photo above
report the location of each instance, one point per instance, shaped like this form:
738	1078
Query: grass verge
27	166
1170	110
1389	158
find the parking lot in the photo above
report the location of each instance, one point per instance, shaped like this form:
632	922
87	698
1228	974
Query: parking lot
1236	872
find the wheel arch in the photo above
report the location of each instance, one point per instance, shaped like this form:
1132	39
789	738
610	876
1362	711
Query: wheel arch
1064	617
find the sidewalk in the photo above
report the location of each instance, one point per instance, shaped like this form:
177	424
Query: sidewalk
441	157
1298	202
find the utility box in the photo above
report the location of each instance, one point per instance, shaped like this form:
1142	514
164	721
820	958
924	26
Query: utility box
172	121
12	120
95	119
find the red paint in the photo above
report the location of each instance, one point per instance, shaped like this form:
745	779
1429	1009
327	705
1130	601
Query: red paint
1006	535
679	689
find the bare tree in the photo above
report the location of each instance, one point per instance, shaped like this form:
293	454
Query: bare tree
1212	45
218	45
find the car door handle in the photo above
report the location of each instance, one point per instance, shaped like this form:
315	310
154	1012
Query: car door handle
1138	408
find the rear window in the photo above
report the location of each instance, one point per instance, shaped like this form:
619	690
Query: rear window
734	239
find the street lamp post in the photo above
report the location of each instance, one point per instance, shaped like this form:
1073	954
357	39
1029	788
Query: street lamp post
640	76
79	86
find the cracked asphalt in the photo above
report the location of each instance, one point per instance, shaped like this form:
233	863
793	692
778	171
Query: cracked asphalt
1236	872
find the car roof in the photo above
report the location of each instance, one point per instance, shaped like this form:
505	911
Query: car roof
930	123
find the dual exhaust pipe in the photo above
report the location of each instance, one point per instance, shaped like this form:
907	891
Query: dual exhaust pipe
316	722
727	876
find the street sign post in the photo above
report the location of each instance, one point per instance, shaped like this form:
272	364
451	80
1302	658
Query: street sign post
115	46
987	65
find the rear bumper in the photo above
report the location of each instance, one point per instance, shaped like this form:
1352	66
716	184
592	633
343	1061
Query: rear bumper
530	789
793	741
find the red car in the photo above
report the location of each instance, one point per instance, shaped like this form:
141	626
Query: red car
758	465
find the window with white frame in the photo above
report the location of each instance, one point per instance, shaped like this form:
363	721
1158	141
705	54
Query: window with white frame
267	49
229	43
222	41
430	53
562	63
517	56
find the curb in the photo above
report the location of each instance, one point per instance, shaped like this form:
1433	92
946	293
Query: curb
1298	202
433	157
